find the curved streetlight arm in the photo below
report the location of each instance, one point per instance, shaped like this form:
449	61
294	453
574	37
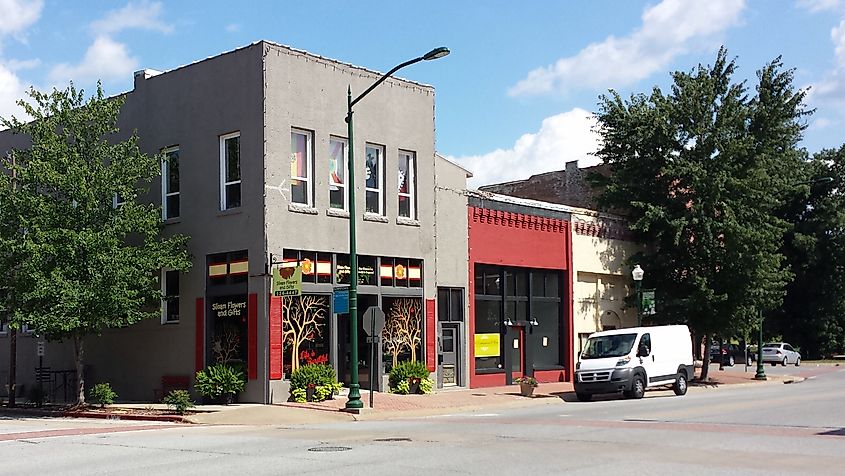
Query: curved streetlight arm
383	77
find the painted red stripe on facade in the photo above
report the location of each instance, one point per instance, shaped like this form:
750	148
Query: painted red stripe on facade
199	356
252	336
430	337
569	362
275	338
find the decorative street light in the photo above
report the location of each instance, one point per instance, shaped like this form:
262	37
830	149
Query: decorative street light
638	274
354	401
761	374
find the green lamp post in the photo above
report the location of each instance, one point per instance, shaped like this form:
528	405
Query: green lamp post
638	274
354	400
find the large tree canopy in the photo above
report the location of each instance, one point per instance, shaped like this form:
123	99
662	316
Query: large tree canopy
813	314
81	263
699	171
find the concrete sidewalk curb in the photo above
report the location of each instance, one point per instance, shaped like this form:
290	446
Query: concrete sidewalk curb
126	416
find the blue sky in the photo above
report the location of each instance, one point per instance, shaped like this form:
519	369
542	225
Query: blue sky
513	99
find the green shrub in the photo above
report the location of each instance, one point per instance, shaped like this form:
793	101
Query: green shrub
426	385
405	370
219	379
179	400
313	374
402	387
321	376
103	394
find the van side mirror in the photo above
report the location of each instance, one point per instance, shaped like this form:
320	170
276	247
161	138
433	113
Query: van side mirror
643	351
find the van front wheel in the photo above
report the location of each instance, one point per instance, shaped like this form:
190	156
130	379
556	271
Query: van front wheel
637	387
680	386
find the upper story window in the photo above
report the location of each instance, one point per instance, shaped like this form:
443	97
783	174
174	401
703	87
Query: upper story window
301	164
170	290
337	173
230	171
375	179
407	184
170	183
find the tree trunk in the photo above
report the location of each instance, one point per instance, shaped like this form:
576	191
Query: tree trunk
294	358
80	376
705	359
395	358
13	364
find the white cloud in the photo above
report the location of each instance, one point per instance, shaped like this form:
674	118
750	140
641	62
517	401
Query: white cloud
143	16
820	5
18	15
12	89
562	138
233	27
105	59
831	89
669	29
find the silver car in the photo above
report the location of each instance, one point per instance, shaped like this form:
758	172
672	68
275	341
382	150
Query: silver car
781	353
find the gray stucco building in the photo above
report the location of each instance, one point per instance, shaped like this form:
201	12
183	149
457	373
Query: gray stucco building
257	145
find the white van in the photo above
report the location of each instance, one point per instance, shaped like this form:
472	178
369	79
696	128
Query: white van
631	360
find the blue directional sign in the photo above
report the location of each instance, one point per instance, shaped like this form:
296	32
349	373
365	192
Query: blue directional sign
340	300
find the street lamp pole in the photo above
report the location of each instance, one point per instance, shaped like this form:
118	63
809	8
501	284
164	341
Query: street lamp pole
354	400
638	274
761	374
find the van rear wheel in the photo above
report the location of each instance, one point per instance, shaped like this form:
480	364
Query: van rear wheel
584	397
680	386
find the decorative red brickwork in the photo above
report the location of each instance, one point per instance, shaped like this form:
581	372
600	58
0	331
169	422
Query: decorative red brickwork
517	220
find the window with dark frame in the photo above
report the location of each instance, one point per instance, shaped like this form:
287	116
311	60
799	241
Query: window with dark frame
450	304
171	297
170	206
301	165
230	171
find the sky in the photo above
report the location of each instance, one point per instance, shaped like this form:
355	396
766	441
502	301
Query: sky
515	97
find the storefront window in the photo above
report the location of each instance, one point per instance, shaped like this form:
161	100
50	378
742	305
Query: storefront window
229	335
402	334
306	330
488	328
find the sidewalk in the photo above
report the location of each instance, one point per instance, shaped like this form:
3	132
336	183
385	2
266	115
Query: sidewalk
391	406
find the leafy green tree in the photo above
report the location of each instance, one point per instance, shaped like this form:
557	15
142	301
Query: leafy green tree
813	314
82	264
699	171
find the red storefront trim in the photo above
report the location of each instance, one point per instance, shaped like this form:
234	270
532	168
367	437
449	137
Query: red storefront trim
430	324
275	331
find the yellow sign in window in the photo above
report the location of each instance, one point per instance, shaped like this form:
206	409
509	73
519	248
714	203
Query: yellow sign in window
487	345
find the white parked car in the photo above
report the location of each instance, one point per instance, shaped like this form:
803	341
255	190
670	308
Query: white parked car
781	353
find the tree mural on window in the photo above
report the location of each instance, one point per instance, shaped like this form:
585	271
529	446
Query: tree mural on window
403	328
305	320
225	345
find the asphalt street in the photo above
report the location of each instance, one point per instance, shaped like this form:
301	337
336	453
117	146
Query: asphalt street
743	429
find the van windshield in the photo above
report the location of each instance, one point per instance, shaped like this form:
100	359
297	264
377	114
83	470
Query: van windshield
615	345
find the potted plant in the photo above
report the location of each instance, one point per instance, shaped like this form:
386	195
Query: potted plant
526	385
220	382
410	377
314	383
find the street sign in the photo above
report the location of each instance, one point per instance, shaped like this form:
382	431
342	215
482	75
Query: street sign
373	321
340	300
372	340
648	302
40	348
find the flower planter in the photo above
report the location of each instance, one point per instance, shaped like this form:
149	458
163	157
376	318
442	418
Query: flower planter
413	386
526	389
309	393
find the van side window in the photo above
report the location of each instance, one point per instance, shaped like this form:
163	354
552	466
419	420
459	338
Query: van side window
645	344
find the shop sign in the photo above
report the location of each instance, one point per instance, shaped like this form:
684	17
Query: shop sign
287	281
487	345
648	302
230	308
340	300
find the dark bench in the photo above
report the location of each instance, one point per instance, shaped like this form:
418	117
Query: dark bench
170	383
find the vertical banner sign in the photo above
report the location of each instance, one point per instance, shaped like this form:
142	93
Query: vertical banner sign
287	281
648	302
340	300
430	337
